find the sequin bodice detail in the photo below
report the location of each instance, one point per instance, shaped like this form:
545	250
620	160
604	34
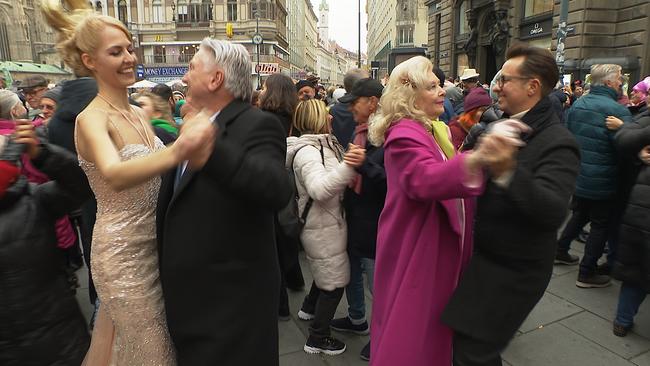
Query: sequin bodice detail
135	200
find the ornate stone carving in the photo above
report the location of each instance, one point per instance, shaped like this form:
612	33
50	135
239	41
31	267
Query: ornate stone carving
472	41
500	32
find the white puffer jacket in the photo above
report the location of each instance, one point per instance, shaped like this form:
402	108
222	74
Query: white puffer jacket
325	233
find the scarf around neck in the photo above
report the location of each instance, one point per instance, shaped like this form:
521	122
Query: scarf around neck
440	133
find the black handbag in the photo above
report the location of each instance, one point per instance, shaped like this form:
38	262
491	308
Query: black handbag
291	222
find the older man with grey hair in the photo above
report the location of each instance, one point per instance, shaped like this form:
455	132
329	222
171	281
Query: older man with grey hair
219	267
594	120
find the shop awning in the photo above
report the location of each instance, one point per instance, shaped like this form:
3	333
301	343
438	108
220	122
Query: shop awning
31	68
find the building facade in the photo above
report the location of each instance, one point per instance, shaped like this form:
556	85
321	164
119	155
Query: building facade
167	33
333	60
476	33
24	35
26	40
302	32
397	30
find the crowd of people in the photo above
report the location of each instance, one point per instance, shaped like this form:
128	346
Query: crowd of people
190	205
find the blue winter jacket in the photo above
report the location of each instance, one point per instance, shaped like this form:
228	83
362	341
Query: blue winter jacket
598	178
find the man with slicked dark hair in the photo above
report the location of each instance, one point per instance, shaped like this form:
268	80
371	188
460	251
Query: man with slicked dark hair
517	217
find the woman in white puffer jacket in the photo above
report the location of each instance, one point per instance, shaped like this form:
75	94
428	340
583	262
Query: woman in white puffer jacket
322	172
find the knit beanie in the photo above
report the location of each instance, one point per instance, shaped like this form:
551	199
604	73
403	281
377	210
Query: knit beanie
54	94
642	87
477	97
8	101
303	83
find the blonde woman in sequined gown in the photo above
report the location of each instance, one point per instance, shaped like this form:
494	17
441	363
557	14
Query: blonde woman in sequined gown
123	161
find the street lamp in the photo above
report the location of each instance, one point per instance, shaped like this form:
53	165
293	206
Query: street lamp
359	33
257	40
173	11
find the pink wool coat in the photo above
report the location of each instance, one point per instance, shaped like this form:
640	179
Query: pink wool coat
423	243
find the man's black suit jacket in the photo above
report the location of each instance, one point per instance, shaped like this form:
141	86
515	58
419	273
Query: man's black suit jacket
219	268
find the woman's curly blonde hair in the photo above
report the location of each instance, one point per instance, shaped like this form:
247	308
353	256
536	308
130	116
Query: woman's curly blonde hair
398	99
78	29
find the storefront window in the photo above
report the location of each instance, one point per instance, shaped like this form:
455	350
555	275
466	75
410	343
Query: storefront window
541	42
462	62
537	7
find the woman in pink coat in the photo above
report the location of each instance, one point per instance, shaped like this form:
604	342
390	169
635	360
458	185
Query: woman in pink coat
425	229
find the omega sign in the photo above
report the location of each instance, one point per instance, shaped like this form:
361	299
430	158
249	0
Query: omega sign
537	29
266	68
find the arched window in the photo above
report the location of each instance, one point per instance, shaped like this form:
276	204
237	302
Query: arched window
121	11
207	10
264	7
462	26
195	10
157	12
182	11
232	10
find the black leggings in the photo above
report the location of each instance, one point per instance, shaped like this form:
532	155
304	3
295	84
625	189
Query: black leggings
323	305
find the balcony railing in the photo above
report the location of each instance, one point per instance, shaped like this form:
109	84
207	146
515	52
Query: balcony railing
193	25
167	59
153	26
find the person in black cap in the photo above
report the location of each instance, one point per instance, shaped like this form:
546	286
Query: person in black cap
363	202
33	88
306	90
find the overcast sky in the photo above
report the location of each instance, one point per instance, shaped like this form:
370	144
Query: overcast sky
343	22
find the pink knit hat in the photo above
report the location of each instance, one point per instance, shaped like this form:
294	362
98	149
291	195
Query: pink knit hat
477	97
642	87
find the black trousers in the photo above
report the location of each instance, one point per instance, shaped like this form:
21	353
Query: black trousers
600	214
473	352
323	305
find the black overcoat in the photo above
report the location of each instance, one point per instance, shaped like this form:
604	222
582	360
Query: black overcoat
219	265
362	211
515	234
40	320
632	263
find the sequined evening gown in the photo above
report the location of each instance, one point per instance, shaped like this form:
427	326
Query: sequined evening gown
131	328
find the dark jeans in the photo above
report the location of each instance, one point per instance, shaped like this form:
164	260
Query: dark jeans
323	305
629	301
354	291
600	214
473	352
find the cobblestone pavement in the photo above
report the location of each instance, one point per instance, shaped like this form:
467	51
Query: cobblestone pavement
569	327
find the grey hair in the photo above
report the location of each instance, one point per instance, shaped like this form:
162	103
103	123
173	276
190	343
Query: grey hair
236	64
602	72
352	76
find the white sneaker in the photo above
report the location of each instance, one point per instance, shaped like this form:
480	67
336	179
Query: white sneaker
305	316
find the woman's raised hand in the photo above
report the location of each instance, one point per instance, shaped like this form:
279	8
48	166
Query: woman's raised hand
355	156
196	140
25	134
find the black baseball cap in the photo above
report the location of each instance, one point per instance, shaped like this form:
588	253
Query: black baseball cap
367	87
